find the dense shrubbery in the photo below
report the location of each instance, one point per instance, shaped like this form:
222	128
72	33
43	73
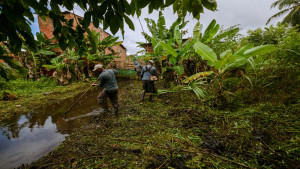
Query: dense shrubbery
263	66
226	39
275	76
277	73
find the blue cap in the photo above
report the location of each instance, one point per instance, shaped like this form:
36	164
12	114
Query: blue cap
136	63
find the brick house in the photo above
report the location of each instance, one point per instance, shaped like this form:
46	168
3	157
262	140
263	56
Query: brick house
148	47
47	28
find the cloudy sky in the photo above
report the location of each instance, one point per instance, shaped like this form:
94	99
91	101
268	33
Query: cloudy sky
249	14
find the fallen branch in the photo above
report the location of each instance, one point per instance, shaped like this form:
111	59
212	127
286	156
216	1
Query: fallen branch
265	144
96	156
162	164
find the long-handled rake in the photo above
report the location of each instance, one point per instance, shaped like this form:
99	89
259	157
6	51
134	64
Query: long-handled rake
84	93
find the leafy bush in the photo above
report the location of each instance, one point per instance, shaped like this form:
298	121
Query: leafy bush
287	40
268	35
276	73
226	39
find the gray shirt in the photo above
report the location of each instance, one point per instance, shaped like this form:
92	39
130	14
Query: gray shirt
146	73
107	79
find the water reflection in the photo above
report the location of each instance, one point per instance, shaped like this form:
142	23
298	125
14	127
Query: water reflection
25	138
31	142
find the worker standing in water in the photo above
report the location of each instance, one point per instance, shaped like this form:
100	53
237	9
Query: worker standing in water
107	79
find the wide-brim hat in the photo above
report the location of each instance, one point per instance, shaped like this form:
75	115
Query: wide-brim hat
98	66
151	61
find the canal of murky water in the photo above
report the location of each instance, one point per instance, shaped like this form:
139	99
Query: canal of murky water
27	137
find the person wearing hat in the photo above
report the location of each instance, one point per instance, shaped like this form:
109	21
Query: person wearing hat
138	68
107	79
147	74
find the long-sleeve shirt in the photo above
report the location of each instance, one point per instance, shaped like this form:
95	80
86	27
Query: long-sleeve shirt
107	79
146	73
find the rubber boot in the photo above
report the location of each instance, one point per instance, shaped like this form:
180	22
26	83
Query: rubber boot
150	97
143	96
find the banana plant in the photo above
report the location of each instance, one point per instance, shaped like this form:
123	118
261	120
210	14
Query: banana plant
60	65
98	47
44	48
161	35
177	51
228	60
66	66
35	59
208	34
158	29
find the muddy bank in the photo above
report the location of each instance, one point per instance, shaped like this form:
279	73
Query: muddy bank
26	137
177	131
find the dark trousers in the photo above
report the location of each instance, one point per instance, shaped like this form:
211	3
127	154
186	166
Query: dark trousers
148	86
112	95
138	75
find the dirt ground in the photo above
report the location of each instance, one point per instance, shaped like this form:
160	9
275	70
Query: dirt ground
178	131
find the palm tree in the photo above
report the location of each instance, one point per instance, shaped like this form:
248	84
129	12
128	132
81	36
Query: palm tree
292	7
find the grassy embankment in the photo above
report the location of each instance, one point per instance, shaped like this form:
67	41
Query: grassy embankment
33	94
176	131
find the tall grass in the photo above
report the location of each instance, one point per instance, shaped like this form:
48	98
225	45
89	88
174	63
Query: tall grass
27	88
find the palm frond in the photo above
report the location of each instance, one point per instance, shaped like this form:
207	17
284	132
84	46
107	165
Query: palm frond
291	16
287	4
276	3
284	3
278	15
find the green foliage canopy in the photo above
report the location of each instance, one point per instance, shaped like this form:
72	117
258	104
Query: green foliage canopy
15	17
